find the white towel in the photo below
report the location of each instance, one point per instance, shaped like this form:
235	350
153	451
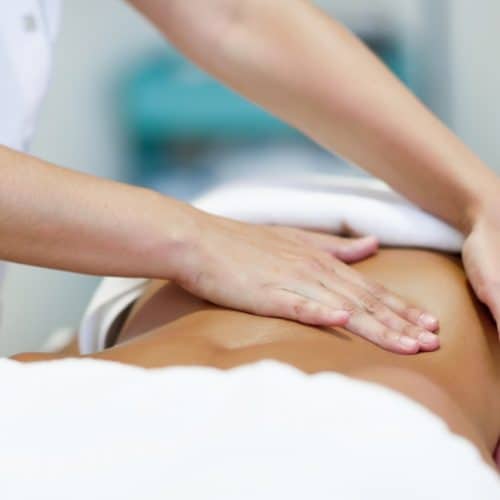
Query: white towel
366	206
83	429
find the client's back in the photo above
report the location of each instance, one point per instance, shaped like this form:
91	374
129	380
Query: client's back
171	327
460	382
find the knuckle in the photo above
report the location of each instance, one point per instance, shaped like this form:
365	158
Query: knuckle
387	336
347	305
196	282
377	290
372	304
322	285
315	264
385	316
301	308
270	287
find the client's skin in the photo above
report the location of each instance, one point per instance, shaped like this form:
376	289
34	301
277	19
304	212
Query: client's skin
460	382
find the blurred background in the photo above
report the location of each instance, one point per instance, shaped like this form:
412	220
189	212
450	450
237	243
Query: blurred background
124	105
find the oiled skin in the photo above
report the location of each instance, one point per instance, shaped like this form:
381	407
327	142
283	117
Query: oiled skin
185	330
460	381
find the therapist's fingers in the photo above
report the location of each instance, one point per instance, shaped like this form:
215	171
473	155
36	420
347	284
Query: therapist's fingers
354	249
368	327
369	317
373	320
350	250
346	249
380	326
310	311
377	293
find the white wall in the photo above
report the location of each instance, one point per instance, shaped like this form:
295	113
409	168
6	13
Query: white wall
476	76
77	128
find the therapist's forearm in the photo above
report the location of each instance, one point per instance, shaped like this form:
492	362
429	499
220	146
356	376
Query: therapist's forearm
54	217
295	61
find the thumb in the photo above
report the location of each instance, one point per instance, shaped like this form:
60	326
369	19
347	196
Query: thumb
356	249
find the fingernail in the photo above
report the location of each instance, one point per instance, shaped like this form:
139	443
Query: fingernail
427	338
408	342
428	321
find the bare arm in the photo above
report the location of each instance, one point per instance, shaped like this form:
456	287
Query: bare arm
292	59
55	217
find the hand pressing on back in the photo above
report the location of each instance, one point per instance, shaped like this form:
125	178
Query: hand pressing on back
301	276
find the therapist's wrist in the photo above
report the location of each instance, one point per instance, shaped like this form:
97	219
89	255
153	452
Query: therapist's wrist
483	200
489	210
169	233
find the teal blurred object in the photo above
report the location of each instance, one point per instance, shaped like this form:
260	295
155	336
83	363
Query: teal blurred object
391	53
175	116
166	98
169	99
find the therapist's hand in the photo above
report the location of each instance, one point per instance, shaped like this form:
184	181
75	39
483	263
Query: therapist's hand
481	258
293	274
